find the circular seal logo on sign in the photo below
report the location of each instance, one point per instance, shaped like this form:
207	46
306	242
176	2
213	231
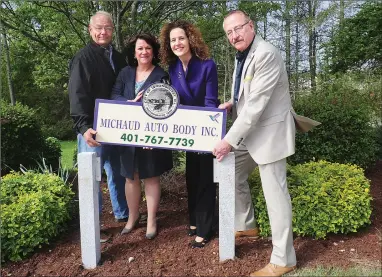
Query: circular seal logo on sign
160	101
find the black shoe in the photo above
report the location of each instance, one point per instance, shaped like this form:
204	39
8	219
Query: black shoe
104	237
196	244
152	235
191	232
128	230
125	219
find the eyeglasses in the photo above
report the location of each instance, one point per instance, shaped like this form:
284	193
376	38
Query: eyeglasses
237	29
106	28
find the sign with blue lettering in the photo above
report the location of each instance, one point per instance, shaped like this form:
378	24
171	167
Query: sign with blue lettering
189	128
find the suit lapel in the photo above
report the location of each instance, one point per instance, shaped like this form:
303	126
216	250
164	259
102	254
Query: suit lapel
151	79
182	79
233	83
248	60
131	84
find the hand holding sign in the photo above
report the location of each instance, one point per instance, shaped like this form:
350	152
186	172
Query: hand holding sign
137	98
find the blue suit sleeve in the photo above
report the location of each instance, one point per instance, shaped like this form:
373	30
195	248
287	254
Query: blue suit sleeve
119	88
211	98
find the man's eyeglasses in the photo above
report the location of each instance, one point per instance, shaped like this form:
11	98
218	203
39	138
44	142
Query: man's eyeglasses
107	28
237	29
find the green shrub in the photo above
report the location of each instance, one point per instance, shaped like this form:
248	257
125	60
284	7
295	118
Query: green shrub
379	141
34	209
52	152
75	153
346	135
326	198
61	129
21	137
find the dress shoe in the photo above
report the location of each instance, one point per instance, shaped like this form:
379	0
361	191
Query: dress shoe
250	233
199	244
191	232
128	230
125	219
104	237
152	235
273	270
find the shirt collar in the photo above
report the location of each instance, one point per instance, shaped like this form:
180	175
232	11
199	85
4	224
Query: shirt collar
240	56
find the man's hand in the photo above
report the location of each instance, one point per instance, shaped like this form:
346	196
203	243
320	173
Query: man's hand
222	148
88	136
226	106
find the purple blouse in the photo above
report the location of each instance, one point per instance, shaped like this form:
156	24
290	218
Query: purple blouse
198	86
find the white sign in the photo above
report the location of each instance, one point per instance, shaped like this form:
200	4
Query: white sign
190	128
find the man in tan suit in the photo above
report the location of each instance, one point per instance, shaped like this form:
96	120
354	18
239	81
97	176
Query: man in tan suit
263	135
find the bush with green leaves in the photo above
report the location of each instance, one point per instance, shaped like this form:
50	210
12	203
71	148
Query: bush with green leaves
34	209
52	152
326	198
22	141
347	133
21	137
379	141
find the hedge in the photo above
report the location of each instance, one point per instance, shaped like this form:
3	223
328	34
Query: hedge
22	141
347	133
326	198
34	209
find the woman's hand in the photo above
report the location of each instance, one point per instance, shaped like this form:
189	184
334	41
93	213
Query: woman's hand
137	98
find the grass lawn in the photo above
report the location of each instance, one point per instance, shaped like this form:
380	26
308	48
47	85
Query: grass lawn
67	148
335	271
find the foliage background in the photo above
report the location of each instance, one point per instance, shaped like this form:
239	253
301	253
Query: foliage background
316	38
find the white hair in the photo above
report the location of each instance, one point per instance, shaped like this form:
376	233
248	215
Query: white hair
103	13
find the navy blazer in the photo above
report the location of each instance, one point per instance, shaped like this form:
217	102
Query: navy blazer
124	87
198	86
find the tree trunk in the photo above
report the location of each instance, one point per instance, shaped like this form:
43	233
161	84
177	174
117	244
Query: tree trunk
9	70
297	50
312	43
265	26
287	38
117	25
342	11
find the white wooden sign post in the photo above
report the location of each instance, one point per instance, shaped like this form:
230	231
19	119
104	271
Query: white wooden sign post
89	177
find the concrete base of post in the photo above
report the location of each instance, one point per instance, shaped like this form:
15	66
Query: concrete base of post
89	176
224	174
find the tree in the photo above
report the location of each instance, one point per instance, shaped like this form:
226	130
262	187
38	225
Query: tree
357	43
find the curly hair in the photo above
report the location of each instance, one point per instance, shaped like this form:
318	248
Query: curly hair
129	50
197	45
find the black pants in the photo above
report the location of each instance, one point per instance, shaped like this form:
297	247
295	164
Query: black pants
201	192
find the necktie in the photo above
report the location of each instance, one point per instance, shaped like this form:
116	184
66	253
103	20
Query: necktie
109	56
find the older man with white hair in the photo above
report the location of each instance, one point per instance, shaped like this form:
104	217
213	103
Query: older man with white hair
92	73
262	135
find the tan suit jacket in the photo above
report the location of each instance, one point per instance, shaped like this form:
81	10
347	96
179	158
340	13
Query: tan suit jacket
265	121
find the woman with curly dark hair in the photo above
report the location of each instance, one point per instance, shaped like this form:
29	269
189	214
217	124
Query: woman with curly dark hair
138	163
195	78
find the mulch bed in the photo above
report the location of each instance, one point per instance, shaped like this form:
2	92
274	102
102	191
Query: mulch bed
169	254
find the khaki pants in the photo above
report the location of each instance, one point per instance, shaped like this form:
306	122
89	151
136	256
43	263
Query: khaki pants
274	184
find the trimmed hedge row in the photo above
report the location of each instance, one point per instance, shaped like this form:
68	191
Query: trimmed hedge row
326	198
34	209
